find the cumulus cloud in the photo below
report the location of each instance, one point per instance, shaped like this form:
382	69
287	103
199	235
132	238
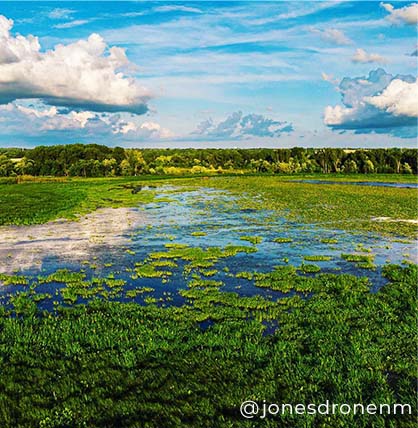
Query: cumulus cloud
238	126
37	119
51	112
379	102
145	130
83	75
361	56
400	98
407	14
332	35
71	121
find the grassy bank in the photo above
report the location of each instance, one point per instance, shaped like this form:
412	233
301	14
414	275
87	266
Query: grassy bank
39	202
335	206
343	207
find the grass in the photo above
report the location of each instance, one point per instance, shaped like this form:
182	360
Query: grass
39	202
112	364
344	207
341	207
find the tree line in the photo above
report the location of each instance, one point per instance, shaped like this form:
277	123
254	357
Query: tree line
93	160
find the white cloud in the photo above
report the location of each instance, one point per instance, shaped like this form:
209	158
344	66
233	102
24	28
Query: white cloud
37	119
302	9
361	56
51	112
238	126
177	8
14	48
379	102
329	78
72	24
60	13
399	98
337	115
332	35
73	120
146	130
407	14
82	75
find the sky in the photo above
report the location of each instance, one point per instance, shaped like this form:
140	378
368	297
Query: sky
209	74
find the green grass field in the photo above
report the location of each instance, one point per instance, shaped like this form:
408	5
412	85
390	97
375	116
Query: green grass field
346	207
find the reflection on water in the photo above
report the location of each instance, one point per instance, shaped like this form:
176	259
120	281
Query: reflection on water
113	240
30	248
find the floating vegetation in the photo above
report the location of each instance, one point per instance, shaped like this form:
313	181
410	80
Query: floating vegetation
309	268
13	279
198	257
205	283
138	291
253	239
317	258
402	241
281	279
198	234
329	241
208	272
366	265
164	263
245	275
362	261
62	275
358	258
282	240
175	245
147	270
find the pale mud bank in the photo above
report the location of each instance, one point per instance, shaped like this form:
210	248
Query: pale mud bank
25	247
395	220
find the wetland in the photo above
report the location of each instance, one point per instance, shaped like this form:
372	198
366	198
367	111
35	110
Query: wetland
188	296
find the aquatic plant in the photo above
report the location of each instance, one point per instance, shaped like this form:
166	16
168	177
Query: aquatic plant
62	275
138	291
282	240
309	268
198	234
253	239
329	241
205	283
91	353
13	279
317	258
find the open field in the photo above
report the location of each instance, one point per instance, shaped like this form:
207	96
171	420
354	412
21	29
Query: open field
169	302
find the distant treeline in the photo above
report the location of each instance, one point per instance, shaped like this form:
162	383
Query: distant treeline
93	160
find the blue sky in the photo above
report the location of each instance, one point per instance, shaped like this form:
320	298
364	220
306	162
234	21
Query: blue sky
209	74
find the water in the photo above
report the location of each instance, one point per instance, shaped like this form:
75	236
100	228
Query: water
362	183
111	241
